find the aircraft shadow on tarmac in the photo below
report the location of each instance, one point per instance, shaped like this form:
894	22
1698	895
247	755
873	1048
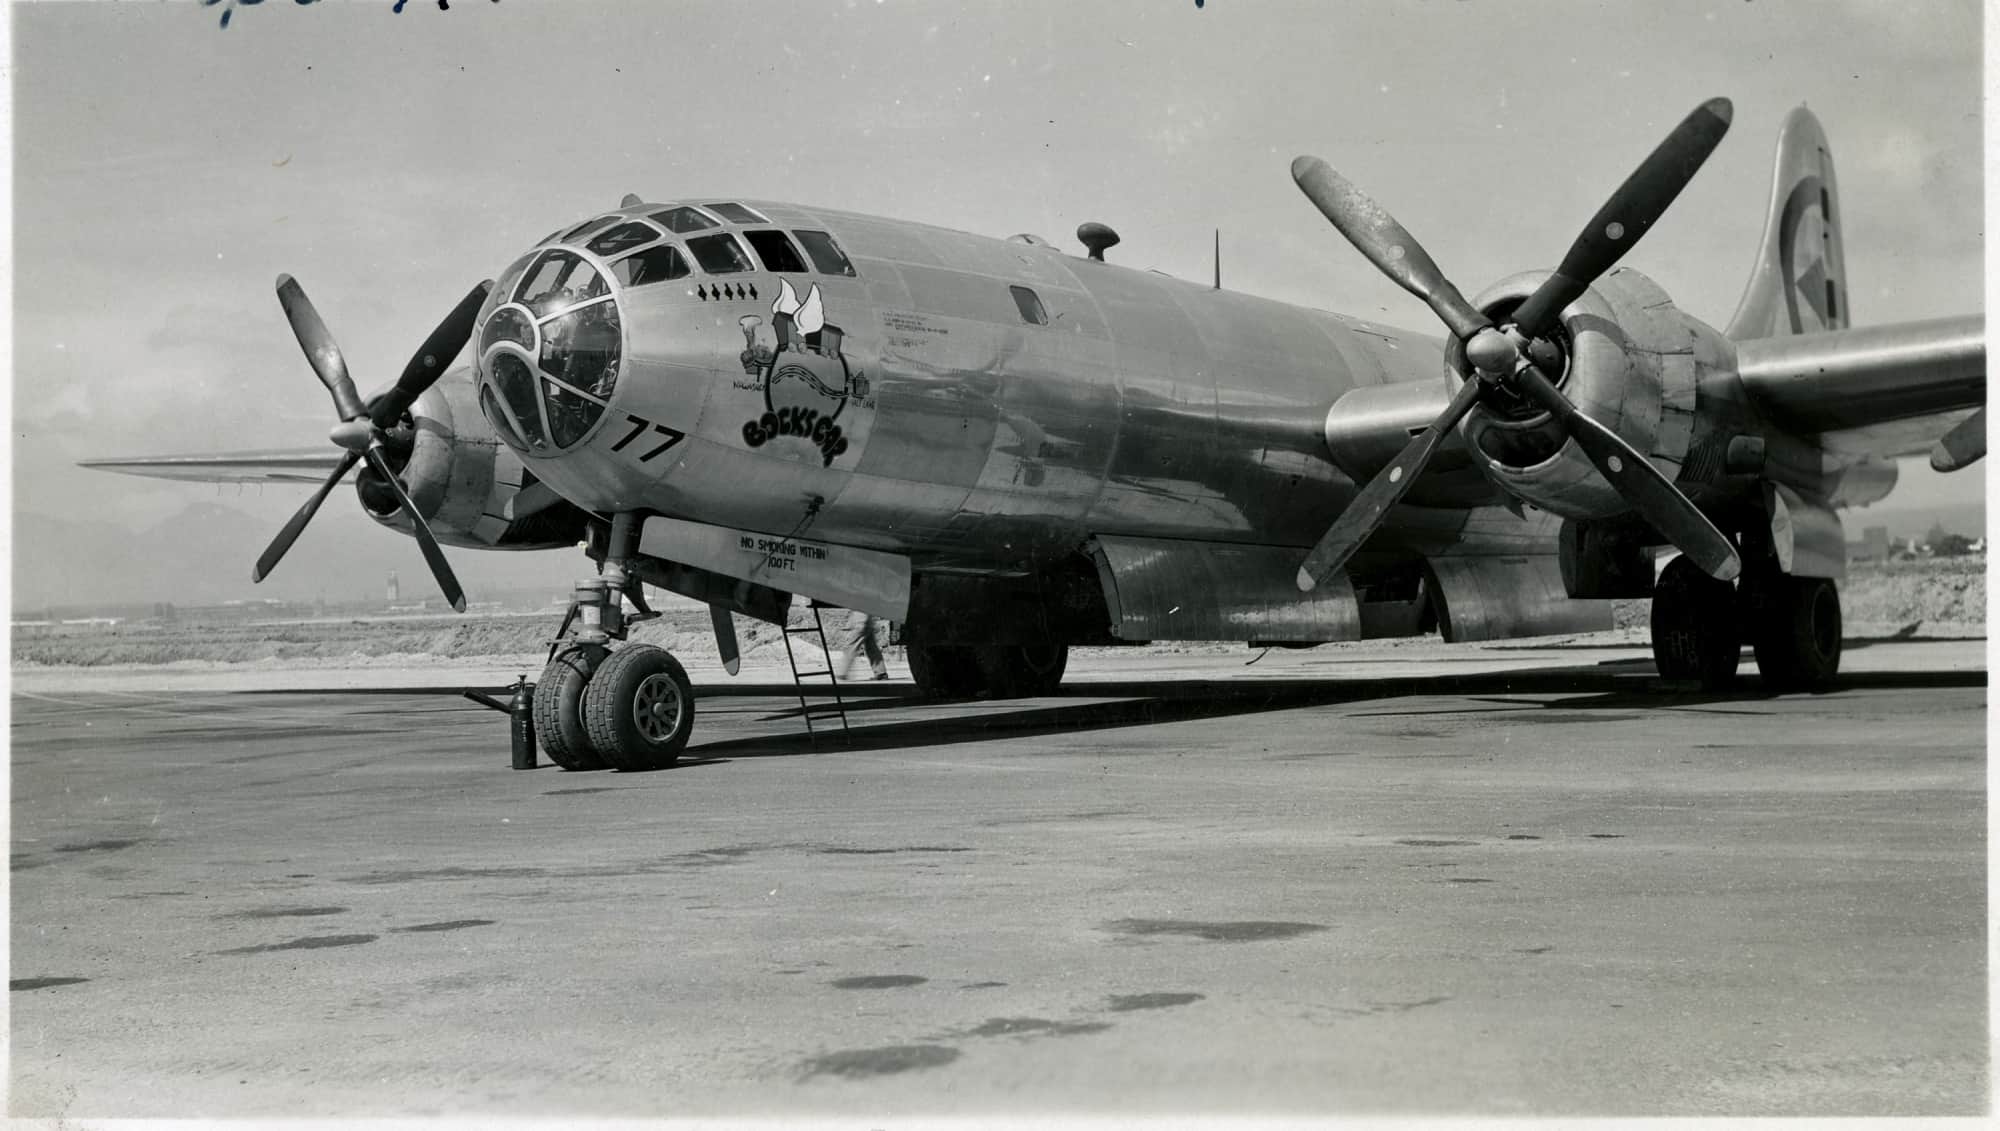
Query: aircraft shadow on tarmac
1908	634
1614	686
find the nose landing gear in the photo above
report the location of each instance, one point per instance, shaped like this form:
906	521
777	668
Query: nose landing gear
639	708
631	708
559	706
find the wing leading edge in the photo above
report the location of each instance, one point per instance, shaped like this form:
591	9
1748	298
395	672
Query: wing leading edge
1881	390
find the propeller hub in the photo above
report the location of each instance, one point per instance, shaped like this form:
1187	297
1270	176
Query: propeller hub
1491	352
353	435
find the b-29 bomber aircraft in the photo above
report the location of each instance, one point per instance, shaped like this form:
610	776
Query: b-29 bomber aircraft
1011	450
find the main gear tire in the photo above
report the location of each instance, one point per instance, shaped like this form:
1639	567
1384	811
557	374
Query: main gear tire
639	708
1796	628
1696	632
558	707
944	671
1021	671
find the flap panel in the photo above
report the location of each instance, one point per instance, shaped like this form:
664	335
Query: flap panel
1163	589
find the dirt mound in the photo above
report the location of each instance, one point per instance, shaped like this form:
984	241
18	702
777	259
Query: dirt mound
1941	591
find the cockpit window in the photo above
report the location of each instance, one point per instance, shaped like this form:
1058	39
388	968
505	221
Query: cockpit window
627	235
517	387
508	324
558	279
589	226
735	213
826	255
580	353
775	250
682	220
653	265
719	254
497	417
581	348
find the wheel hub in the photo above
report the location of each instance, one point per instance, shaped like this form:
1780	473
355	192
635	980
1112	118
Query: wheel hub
656	708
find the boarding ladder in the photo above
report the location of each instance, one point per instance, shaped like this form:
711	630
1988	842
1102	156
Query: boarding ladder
822	709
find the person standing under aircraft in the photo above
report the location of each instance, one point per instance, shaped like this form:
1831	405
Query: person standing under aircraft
863	640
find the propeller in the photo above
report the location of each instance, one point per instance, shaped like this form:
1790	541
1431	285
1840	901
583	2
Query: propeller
1512	359
363	429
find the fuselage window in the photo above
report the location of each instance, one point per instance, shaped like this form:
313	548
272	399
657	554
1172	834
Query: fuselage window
558	279
735	213
1031	306
683	220
626	235
653	265
826	255
719	254
775	250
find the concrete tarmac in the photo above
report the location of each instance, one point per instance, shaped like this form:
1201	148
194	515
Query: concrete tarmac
1560	889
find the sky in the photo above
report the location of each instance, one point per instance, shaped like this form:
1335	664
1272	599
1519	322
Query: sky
167	169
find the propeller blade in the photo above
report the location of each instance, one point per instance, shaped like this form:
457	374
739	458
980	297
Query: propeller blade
1963	445
1627	216
433	555
1634	477
428	363
297	523
321	352
1377	235
1390	484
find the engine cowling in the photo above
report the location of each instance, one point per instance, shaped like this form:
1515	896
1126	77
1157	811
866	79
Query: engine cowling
1634	363
461	478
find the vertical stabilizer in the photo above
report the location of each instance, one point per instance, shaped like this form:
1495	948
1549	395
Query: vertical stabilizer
1799	282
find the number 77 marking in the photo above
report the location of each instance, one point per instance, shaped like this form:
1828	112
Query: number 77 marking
672	438
639	425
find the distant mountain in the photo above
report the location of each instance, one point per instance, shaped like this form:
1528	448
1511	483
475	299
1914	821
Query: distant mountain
202	554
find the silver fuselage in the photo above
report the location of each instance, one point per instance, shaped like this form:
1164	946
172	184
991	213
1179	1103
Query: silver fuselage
967	434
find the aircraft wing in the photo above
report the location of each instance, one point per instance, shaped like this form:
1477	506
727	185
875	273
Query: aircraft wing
1884	391
298	465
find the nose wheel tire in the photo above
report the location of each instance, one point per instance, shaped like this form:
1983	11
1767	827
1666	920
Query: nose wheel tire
559	707
1695	627
1796	626
639	708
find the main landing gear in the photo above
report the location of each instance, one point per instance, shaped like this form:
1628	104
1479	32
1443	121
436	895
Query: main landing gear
1002	671
629	709
1700	626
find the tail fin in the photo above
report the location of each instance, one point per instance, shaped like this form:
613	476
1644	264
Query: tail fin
1799	283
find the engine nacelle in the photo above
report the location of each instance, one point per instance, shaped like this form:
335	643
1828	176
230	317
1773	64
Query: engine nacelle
1635	363
461	477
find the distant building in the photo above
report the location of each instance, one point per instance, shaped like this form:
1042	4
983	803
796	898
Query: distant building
1873	547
